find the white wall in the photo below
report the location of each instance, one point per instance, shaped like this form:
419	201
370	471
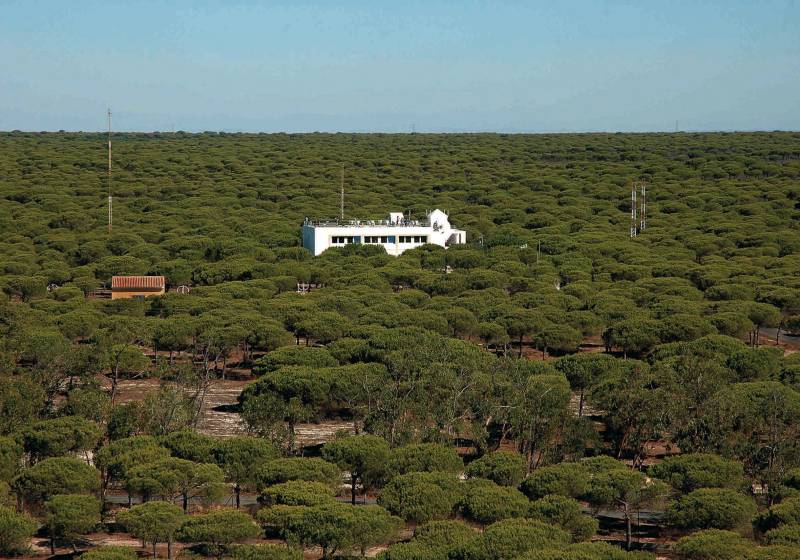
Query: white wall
318	238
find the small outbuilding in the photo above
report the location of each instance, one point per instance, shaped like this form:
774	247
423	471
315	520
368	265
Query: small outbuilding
137	287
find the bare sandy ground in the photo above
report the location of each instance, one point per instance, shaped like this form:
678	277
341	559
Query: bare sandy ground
219	420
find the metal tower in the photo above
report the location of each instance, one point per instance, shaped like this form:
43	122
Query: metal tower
643	208
634	225
110	206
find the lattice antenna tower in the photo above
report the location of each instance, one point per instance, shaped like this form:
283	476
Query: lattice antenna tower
643	207
110	200
633	211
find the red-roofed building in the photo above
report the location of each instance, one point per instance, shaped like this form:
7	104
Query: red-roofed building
127	287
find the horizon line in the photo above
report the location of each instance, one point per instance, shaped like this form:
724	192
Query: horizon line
409	133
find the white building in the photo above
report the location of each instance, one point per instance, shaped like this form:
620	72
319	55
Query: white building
396	234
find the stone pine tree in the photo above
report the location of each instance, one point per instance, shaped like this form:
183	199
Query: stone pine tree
15	529
68	516
626	491
364	457
218	529
153	522
240	458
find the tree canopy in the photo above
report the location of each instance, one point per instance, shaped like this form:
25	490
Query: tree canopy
551	358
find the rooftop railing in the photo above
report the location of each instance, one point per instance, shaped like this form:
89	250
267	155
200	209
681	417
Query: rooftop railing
364	223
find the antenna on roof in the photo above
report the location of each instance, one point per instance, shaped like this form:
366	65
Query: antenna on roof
341	201
110	207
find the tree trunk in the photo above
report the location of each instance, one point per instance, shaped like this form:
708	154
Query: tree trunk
504	431
114	380
185	503
103	486
238	491
169	548
353	488
628	531
290	425
52	543
155	554
580	404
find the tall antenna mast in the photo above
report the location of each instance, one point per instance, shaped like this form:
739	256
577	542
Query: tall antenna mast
341	200
633	210
642	209
110	209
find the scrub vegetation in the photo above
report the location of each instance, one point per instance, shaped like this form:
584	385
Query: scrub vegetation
550	385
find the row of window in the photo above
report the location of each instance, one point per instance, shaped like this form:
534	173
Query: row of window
376	239
371	239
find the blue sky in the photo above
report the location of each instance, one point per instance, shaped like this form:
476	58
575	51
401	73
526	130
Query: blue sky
389	66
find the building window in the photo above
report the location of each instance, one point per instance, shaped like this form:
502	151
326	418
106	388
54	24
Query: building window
413	239
341	240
